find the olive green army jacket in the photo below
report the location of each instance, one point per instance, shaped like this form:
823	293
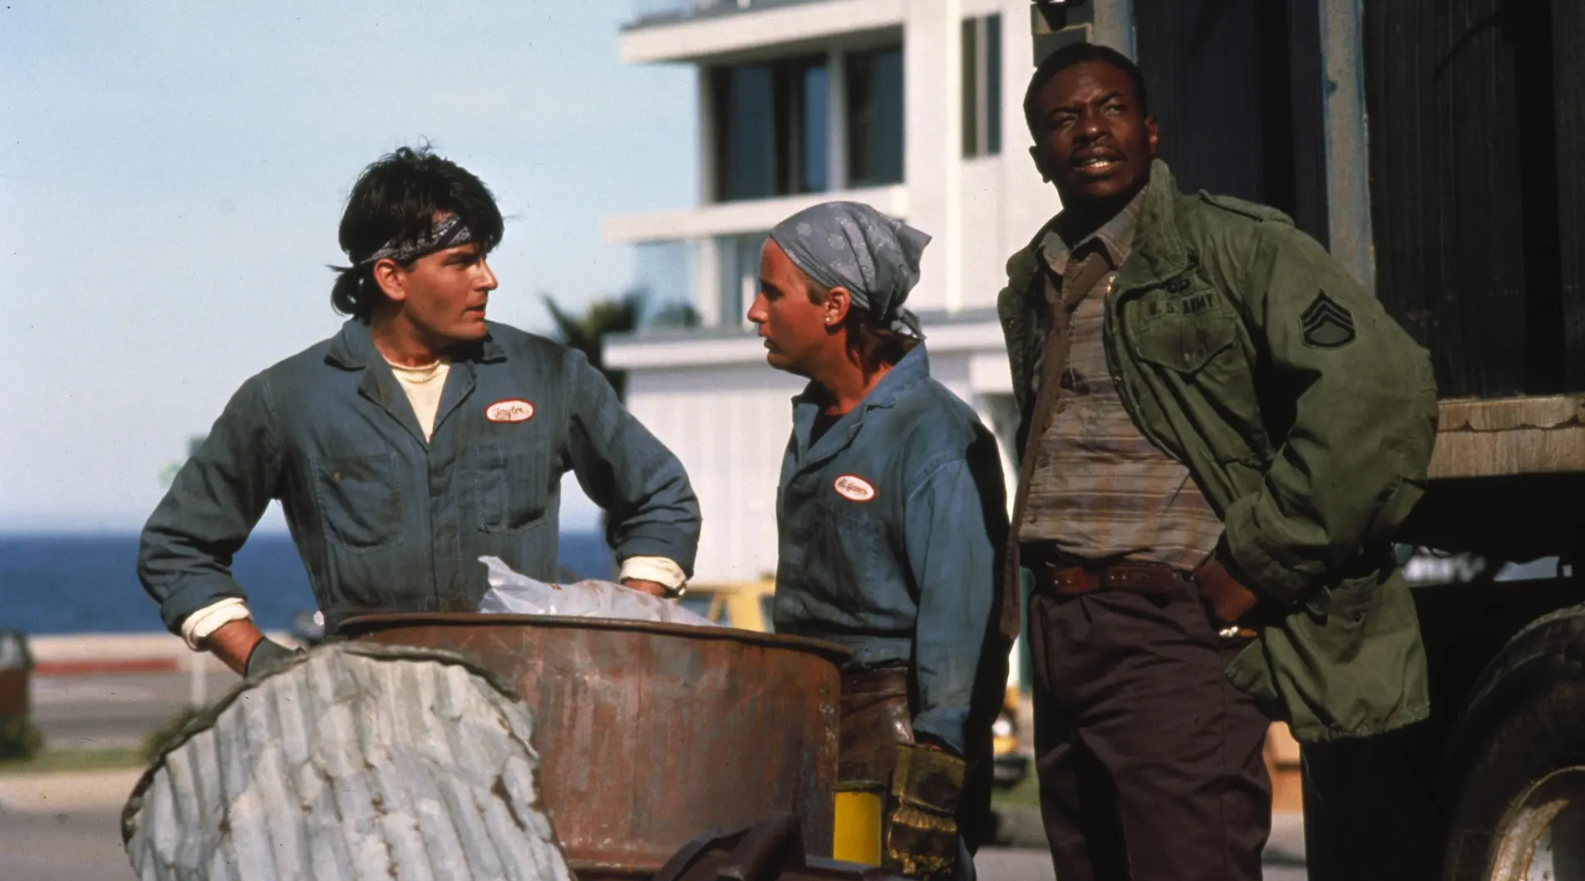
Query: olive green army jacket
1306	416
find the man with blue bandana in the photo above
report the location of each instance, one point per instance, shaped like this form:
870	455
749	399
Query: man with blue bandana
891	519
416	440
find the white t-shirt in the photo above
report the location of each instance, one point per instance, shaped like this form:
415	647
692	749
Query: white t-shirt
423	386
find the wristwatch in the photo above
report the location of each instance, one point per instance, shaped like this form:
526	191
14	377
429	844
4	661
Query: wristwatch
673	593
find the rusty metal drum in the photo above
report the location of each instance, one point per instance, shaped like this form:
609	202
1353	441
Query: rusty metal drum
650	735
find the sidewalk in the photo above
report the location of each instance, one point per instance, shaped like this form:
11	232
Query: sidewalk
99	653
1020	826
66	792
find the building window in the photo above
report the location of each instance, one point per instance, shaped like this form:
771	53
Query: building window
739	263
814	131
982	86
771	128
875	117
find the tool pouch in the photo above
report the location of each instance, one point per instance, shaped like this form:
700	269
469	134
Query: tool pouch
921	825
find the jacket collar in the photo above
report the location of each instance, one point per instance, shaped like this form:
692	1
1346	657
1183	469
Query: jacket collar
913	369
1115	237
353	347
1158	252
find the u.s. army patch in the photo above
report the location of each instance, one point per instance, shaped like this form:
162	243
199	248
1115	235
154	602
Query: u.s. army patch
1326	323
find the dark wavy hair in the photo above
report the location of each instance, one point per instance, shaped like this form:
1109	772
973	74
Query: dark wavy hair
1073	55
398	198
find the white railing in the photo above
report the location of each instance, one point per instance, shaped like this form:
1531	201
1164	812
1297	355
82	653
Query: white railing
659	11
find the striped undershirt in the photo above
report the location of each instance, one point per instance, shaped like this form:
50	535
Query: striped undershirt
1101	490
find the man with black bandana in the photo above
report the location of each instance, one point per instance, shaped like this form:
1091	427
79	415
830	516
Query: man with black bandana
891	516
416	440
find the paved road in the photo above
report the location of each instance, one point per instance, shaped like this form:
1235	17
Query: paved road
65	847
87	847
1035	865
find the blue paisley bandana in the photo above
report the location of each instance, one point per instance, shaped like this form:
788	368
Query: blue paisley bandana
851	245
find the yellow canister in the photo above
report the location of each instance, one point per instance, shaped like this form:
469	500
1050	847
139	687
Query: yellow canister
858	824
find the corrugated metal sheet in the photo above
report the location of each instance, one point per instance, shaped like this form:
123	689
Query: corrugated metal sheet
355	762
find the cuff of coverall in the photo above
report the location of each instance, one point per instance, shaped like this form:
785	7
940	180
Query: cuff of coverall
1254	563
200	624
194	594
945	726
667	540
661	570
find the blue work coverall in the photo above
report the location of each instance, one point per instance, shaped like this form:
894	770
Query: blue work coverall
891	527
386	522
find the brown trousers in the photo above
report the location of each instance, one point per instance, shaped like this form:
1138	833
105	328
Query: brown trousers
1150	761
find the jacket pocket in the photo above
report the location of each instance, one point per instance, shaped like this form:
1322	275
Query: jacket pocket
843	560
1199	361
1186	343
1358	670
512	484
360	500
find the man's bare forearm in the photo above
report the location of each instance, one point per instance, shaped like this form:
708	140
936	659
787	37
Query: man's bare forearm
233	643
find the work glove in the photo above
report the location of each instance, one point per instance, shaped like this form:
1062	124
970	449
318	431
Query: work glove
921	826
267	657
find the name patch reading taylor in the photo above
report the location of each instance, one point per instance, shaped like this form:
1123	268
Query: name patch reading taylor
509	410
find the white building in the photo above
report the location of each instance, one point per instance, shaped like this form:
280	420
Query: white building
912	106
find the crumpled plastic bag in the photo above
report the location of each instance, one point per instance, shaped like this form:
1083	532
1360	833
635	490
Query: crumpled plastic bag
514	593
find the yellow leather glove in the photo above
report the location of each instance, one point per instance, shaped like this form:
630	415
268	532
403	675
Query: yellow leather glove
921	823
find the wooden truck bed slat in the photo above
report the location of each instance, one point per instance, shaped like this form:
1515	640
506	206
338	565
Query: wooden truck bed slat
1509	436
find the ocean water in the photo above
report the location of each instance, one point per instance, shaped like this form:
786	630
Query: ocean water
88	583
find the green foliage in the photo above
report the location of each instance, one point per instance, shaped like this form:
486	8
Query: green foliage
20	739
586	332
168	473
52	761
1025	794
627	313
673	315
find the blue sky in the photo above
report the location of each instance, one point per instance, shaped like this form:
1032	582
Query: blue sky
172	174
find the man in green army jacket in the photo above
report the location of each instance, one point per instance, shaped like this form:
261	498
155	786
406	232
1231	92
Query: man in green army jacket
1220	431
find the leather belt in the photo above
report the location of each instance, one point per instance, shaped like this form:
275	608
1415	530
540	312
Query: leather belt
1065	576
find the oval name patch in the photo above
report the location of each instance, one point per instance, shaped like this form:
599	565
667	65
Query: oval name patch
853	488
509	410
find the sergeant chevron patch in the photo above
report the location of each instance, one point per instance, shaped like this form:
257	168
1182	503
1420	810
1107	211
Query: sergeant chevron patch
1326	324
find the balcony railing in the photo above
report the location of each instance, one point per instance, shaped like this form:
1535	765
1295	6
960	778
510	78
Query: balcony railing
648	13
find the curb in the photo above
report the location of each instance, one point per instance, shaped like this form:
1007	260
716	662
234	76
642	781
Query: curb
107	665
1020	826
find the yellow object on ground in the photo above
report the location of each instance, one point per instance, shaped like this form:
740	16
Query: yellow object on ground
858	827
741	604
